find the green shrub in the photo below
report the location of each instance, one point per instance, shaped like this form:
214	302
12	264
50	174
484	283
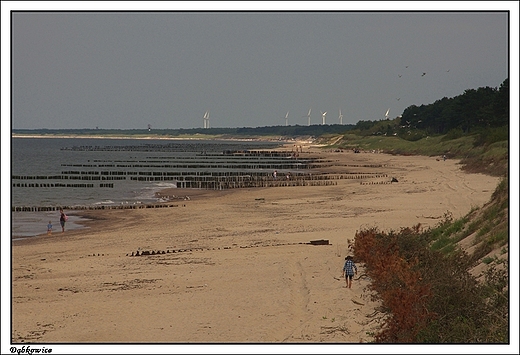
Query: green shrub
491	135
440	243
487	260
453	134
499	238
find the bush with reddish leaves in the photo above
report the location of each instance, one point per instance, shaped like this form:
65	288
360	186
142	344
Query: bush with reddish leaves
428	296
398	281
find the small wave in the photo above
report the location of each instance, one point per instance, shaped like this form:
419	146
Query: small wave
106	202
165	185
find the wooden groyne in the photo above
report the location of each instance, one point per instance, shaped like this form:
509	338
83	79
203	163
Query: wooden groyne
206	180
92	207
234	246
52	185
239	165
223	183
62	185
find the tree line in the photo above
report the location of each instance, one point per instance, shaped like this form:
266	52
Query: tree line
475	109
282	131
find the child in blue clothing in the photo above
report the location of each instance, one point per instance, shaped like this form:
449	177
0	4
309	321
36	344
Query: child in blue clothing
49	228
348	270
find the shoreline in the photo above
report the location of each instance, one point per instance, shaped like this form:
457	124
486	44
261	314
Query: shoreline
23	227
90	216
237	266
86	218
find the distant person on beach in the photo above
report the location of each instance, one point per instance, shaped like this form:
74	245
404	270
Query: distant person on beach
348	270
444	157
274	174
49	228
63	219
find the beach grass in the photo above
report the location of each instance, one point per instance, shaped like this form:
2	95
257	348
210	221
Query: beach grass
477	153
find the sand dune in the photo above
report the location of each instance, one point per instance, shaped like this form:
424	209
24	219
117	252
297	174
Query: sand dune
237	266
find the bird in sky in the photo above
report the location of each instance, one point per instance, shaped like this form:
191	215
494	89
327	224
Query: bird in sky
423	74
399	75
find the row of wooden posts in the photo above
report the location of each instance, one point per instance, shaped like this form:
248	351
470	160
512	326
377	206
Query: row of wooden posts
167	148
92	207
195	249
221	180
209	182
61	185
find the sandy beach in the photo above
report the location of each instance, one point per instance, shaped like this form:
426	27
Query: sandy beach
233	266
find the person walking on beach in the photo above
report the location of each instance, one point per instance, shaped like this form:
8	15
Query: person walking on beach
63	219
348	270
49	228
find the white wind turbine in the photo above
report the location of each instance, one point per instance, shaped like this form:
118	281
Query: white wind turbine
206	119
323	114
286	118
340	117
309	117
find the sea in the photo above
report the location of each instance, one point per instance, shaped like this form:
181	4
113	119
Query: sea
55	172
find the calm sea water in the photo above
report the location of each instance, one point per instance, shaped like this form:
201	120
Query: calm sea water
40	161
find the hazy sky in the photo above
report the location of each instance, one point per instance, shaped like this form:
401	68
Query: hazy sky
130	69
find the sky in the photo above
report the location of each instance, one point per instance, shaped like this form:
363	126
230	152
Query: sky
128	70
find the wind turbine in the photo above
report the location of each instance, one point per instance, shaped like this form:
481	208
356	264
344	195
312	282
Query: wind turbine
206	119
286	118
386	114
308	116
340	117
323	114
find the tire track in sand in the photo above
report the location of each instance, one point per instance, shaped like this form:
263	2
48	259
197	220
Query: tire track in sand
458	191
297	305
